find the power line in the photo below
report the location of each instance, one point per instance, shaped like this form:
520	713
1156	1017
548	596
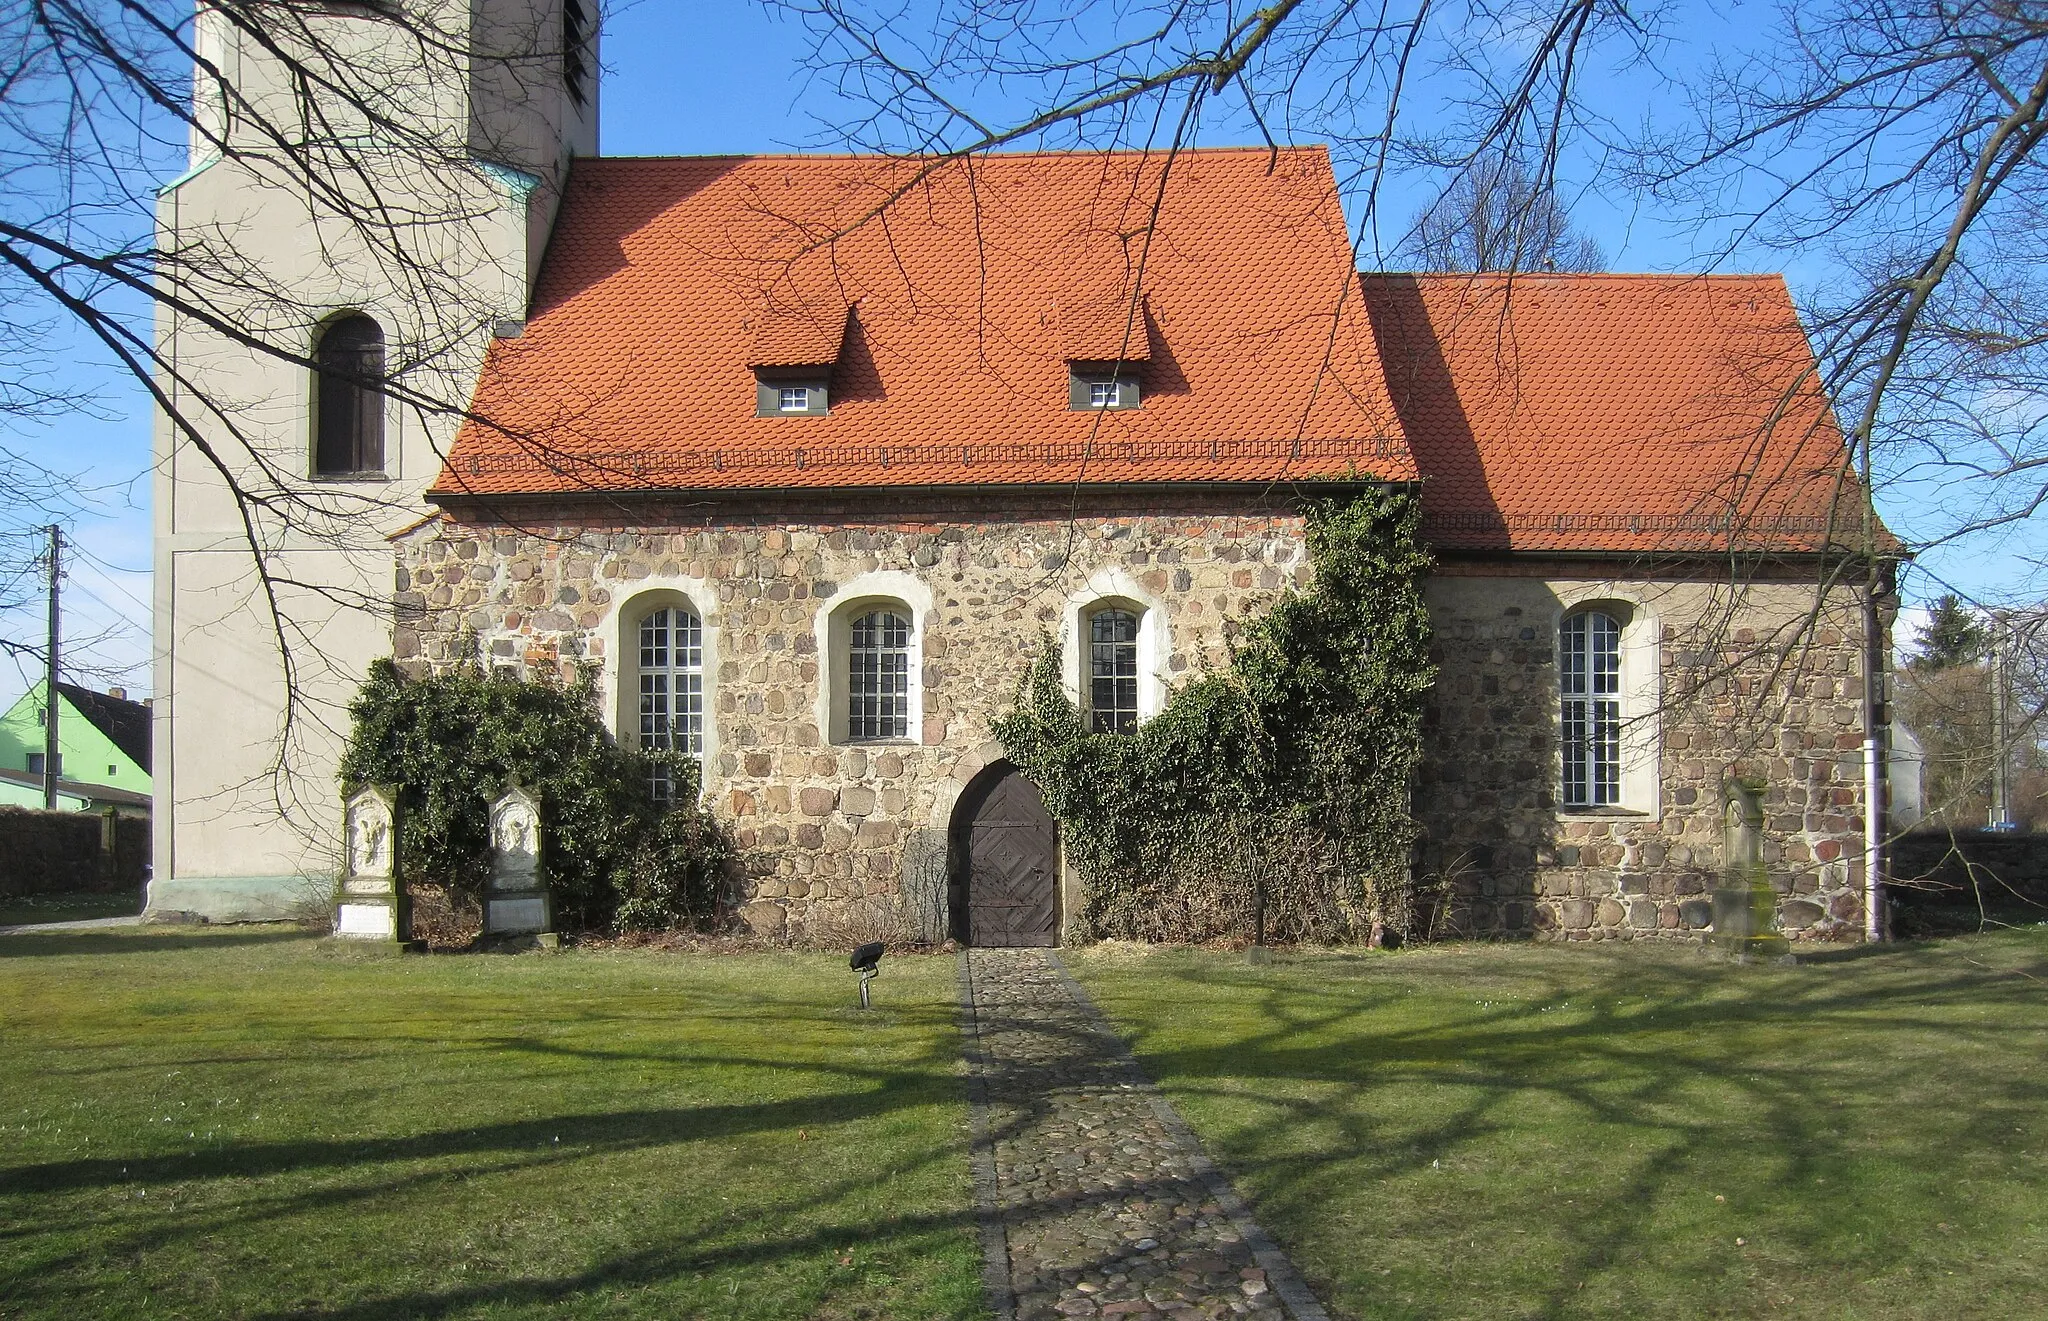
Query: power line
100	567
109	564
119	616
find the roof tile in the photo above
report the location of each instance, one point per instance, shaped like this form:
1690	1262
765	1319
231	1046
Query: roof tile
633	372
798	337
1106	327
1614	412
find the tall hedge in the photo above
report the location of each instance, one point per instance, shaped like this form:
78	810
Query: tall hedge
450	741
1276	792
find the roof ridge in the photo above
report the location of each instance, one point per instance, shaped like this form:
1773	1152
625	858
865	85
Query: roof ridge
1574	277
1134	153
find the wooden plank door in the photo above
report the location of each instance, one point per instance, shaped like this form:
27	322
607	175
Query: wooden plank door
1012	867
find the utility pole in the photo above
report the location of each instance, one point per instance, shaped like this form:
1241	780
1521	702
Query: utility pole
2001	729
50	700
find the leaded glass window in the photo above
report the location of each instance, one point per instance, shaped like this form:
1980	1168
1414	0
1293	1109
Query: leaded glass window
671	688
878	677
1589	686
1113	671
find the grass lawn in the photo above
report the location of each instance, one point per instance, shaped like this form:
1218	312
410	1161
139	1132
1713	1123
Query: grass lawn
1535	1132
252	1123
23	908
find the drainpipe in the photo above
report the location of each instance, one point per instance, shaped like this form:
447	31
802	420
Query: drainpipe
1876	740
1874	804
1876	678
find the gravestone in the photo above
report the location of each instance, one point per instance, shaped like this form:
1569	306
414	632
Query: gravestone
371	902
1745	904
517	910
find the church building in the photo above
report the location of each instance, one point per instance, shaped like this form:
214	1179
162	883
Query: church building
811	456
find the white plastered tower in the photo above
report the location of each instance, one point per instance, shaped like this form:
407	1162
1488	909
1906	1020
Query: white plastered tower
399	160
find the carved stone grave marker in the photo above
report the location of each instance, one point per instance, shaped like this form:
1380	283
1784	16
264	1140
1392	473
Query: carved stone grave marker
371	902
1745	903
517	907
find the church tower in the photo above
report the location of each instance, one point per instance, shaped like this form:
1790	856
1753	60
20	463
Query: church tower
370	190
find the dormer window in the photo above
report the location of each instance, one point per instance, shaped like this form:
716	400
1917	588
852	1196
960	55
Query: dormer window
1095	387
1106	337
793	355
789	392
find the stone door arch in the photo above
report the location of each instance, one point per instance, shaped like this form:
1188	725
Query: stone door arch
1005	852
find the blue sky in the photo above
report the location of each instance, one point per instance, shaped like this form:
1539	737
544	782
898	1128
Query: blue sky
722	76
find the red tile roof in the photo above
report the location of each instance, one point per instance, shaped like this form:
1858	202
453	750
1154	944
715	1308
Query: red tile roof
667	278
804	337
1545	412
1613	412
1104	327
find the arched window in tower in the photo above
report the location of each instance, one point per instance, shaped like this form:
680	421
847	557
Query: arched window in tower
671	688
878	677
349	399
1113	671
1589	687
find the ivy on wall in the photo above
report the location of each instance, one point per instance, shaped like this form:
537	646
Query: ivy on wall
1274	795
615	856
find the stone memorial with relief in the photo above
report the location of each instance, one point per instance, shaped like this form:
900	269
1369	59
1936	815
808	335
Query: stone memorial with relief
1745	903
517	907
371	901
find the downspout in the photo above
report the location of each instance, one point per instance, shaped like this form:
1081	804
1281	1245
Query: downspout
1876	676
1874	796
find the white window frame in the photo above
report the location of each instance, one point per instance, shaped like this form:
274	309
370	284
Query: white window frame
1636	695
619	634
1113	589
886	589
793	398
1589	709
878	677
682	684
1093	659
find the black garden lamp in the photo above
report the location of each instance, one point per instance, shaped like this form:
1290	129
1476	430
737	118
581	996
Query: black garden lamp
867	961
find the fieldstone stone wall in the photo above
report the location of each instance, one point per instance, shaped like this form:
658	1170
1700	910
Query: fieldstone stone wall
825	824
1761	679
832	829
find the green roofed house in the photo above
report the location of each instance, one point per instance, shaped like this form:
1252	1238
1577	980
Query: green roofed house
103	752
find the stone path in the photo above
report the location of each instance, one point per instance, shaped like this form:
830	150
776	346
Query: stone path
1096	1199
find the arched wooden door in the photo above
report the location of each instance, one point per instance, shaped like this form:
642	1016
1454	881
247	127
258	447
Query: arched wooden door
1006	870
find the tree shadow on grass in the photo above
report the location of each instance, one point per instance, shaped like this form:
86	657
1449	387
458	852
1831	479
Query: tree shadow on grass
127	940
595	1131
1673	1073
740	1236
647	1268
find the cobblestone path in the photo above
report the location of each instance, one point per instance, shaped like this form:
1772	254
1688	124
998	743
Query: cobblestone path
1096	1199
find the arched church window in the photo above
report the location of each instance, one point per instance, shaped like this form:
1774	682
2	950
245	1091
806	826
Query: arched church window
1589	689
349	399
671	688
878	676
1113	671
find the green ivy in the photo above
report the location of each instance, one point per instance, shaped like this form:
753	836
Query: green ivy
1277	792
451	740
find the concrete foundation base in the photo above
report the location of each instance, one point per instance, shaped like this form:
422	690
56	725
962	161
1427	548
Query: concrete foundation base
237	898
